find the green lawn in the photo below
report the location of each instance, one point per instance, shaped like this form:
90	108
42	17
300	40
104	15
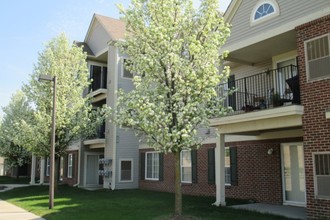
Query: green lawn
13	180
74	203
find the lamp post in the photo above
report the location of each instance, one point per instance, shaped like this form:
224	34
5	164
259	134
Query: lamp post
52	147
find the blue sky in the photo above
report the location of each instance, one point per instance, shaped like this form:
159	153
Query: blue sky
28	25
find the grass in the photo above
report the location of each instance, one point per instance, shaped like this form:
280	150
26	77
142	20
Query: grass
74	203
13	180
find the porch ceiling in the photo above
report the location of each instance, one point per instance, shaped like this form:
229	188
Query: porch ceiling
263	50
253	123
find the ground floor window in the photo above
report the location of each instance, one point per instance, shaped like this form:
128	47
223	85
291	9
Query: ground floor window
227	166
322	174
47	166
152	166
126	170
70	165
186	174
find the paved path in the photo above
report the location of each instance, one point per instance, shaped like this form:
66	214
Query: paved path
12	212
9	211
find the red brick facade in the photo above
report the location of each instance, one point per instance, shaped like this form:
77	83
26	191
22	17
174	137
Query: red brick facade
74	180
259	174
316	100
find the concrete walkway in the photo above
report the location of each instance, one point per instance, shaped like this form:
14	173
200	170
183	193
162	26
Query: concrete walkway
282	210
12	212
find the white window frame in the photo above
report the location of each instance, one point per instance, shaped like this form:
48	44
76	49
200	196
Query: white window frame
47	166
315	176
123	68
181	166
70	165
153	172
267	17
226	183
120	170
307	61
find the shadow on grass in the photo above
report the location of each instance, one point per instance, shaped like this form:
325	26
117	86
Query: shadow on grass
74	203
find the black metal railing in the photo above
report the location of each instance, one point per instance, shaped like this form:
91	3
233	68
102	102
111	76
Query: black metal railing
265	90
99	134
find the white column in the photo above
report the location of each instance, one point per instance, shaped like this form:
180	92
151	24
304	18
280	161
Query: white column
42	170
33	170
220	171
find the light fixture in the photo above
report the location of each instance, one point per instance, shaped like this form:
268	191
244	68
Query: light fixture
270	151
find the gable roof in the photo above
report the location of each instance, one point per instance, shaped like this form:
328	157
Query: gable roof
85	47
231	10
114	27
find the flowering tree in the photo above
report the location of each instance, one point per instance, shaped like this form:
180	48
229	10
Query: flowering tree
75	118
11	146
174	52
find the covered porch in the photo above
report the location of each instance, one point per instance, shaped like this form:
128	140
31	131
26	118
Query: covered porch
272	126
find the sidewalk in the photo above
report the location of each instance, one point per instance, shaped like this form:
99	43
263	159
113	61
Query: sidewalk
12	212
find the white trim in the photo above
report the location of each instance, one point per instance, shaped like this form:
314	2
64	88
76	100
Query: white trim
47	166
316	196
146	163
307	61
70	166
185	166
227	148
286	202
267	17
274	32
132	168
85	167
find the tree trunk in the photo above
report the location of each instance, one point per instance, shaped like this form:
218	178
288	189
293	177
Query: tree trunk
17	172
178	191
56	173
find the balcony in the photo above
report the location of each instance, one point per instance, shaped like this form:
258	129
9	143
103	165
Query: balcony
98	139
98	86
266	90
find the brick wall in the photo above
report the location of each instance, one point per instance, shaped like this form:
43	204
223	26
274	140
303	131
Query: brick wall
200	188
315	97
66	180
259	174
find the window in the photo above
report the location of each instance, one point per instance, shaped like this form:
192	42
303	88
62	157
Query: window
263	11
98	75
227	166
70	165
318	58
186	168
47	166
322	174
152	166
126	170
125	72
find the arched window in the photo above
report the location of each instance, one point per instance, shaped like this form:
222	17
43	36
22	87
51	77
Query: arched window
264	10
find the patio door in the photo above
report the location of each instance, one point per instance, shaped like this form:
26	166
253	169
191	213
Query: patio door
293	174
284	73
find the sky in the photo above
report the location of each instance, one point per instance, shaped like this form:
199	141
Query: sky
27	25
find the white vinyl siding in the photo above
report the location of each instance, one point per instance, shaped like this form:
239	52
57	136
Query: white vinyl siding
152	166
317	53
322	175
186	166
70	165
126	170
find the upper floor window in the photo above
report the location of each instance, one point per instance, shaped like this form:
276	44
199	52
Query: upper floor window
317	53
264	10
98	75
125	72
